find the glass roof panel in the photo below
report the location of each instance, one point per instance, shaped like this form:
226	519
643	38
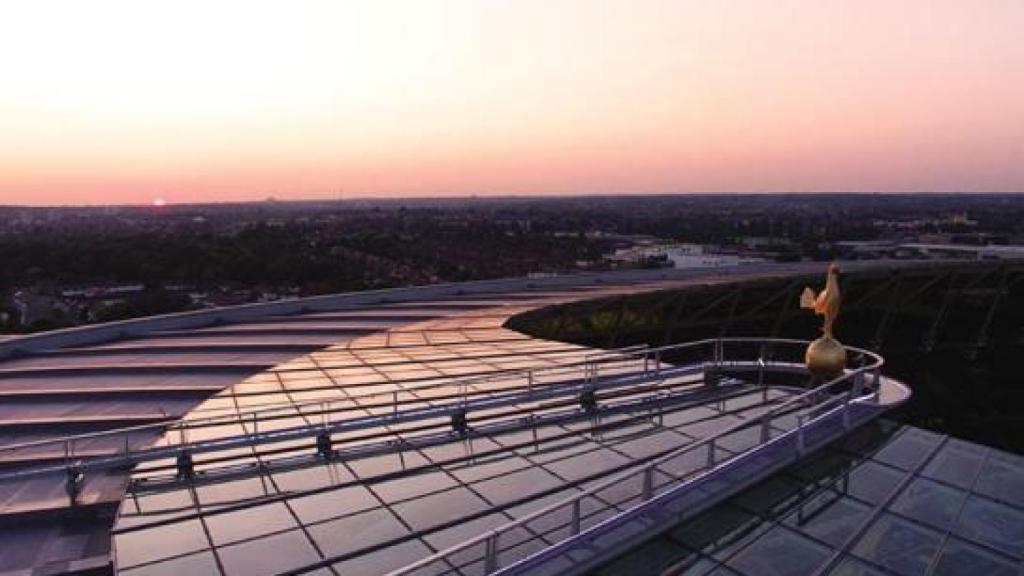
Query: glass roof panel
957	463
828	518
909	449
249	522
899	545
160	542
266	556
780	552
199	564
439	508
349	533
1001	478
930	502
959	557
992	524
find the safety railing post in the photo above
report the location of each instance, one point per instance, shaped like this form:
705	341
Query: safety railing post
800	434
529	382
576	516
648	485
765	429
491	553
761	363
846	413
711	453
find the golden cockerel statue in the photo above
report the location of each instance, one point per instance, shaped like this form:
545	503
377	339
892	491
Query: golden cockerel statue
825	303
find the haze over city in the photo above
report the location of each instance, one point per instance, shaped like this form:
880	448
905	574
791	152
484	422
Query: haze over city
139	102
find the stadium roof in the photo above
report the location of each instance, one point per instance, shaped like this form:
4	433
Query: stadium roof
324	435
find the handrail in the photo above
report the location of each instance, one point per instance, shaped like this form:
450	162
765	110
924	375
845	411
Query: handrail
649	499
245	417
501	398
489	539
294	432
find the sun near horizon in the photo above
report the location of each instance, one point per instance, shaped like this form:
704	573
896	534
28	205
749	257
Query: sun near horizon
160	102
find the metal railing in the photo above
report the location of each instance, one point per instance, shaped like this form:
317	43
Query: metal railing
621	369
176	433
568	535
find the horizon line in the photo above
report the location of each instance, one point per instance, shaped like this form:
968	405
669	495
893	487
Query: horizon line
161	202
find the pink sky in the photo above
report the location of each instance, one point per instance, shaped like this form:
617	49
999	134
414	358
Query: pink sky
127	101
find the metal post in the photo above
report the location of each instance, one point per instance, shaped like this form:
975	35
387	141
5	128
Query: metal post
394	404
765	429
185	466
575	516
529	382
323	445
800	434
491	553
648	487
711	453
73	483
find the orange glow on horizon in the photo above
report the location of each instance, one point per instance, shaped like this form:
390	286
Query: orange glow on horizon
109	101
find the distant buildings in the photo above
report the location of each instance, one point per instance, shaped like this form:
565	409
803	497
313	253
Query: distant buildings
33	308
865	250
676	255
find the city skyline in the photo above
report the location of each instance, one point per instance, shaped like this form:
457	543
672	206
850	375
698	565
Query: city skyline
120	102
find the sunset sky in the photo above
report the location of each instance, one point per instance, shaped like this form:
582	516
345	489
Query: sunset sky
216	100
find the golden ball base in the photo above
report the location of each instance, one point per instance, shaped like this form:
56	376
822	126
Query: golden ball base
825	358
